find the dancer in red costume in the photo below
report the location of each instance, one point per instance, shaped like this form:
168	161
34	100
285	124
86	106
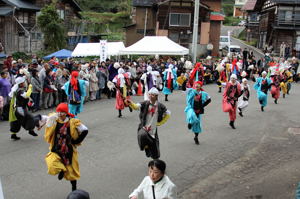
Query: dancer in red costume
230	97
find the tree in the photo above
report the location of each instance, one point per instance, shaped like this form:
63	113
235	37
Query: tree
52	28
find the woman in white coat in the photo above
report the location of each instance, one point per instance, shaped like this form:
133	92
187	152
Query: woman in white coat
156	185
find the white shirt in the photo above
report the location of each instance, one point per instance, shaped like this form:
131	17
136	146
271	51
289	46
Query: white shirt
164	189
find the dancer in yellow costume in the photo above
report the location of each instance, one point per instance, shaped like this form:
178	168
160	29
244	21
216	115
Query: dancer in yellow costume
64	133
285	85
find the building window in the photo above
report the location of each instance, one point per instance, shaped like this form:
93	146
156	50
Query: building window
174	36
61	14
180	19
23	17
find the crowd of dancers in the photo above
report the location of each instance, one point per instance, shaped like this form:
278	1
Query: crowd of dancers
78	83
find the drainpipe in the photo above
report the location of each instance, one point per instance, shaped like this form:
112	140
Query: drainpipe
26	31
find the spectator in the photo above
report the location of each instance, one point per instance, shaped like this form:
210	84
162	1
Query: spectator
5	87
48	90
157	184
102	78
37	88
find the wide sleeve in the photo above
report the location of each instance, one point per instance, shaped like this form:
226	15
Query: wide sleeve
140	188
166	115
50	128
82	87
74	124
257	83
135	106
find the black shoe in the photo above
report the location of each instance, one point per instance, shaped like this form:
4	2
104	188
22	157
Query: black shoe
14	137
189	126
283	96
262	108
275	101
231	123
120	115
220	90
32	133
61	175
241	114
130	109
196	141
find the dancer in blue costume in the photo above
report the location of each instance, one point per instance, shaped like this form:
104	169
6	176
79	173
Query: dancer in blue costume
196	100
170	78
75	90
262	85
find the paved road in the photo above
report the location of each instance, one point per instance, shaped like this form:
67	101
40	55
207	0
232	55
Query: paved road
236	30
112	165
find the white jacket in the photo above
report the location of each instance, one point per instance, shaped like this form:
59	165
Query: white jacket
164	189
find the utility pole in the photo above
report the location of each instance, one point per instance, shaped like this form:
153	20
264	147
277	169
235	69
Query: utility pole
195	30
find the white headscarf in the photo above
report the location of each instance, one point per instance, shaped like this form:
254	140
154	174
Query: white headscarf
154	91
149	69
18	81
233	76
170	71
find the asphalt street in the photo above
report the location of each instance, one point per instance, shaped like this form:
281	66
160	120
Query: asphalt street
112	165
235	32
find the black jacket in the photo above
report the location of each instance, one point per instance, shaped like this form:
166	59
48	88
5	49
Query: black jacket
144	110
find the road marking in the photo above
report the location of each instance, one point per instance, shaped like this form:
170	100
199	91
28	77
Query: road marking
1	191
294	131
279	138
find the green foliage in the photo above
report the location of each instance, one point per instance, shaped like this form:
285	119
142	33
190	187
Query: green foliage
52	27
231	21
228	9
20	55
242	35
105	23
105	5
253	42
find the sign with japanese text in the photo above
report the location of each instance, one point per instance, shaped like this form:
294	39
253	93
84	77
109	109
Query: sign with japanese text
103	50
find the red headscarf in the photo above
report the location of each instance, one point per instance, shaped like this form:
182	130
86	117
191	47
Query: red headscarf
63	107
194	71
74	84
198	82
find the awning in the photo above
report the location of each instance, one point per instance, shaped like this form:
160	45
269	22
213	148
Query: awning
61	54
155	45
6	10
20	4
93	49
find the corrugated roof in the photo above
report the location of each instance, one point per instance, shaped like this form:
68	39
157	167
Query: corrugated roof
250	5
287	1
21	4
6	10
143	3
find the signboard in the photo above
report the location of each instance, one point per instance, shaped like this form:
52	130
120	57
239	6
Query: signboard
103	50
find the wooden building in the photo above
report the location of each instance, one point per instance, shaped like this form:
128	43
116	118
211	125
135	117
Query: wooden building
252	20
279	21
18	23
174	18
237	9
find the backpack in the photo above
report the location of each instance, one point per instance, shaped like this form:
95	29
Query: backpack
74	96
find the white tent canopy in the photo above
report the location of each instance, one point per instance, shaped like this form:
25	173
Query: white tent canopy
93	49
155	45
